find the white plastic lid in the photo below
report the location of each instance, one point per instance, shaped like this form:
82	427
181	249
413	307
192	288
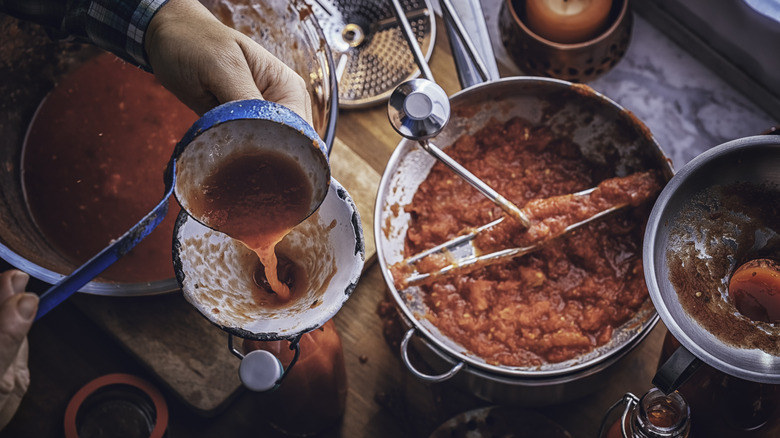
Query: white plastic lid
260	370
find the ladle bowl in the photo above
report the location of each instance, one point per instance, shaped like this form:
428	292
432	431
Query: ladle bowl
236	129
682	218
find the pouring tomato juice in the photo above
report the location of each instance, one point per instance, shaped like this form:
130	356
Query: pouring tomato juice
257	199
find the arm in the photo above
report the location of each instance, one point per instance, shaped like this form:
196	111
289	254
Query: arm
118	26
200	60
205	63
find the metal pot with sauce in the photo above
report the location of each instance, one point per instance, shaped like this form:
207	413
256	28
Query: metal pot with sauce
606	136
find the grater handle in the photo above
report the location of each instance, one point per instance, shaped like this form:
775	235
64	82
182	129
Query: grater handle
469	40
408	33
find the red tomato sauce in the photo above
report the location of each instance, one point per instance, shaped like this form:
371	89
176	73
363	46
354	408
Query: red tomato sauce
93	165
559	302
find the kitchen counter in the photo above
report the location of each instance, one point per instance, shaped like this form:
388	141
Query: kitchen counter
687	108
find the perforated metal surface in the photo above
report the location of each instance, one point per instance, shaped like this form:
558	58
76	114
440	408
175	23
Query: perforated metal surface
369	50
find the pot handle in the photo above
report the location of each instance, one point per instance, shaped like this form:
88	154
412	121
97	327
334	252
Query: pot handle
420	375
676	370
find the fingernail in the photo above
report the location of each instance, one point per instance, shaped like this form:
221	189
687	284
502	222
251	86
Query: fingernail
27	305
19	281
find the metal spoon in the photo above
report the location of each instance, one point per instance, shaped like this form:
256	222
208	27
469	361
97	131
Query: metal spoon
419	109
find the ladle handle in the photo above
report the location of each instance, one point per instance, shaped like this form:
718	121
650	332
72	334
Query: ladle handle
676	370
466	56
411	41
70	284
509	208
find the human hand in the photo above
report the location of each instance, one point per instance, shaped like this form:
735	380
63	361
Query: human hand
206	63
17	311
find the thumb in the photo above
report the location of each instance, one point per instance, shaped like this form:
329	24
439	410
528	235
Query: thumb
16	316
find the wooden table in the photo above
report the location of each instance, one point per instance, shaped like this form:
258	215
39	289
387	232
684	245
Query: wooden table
76	343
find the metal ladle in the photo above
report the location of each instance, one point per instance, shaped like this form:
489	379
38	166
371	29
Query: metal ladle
241	128
419	109
753	160
203	148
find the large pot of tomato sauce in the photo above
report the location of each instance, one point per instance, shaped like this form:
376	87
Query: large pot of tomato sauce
552	325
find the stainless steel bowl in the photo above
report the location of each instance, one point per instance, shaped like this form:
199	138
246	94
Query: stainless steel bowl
606	133
746	160
33	65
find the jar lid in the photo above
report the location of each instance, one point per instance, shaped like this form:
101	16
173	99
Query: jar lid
260	371
117	405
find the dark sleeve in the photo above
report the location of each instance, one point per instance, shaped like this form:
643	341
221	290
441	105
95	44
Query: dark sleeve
118	26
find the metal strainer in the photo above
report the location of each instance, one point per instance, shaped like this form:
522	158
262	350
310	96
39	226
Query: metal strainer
369	50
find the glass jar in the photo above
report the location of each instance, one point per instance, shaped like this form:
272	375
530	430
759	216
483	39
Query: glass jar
311	398
655	415
725	406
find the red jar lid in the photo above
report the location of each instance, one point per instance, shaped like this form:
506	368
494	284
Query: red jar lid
120	401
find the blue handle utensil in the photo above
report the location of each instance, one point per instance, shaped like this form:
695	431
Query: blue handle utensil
283	130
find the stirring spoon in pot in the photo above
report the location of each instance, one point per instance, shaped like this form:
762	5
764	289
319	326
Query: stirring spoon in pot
419	109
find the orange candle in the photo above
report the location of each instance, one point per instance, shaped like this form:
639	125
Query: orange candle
567	21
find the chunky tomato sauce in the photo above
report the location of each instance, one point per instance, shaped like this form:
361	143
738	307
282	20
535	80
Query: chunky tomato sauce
561	301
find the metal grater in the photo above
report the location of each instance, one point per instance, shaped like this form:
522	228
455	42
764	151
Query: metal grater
370	54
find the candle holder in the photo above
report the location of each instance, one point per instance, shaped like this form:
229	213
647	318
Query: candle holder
575	62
